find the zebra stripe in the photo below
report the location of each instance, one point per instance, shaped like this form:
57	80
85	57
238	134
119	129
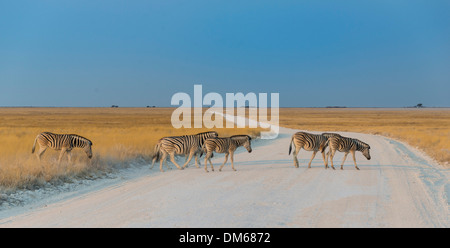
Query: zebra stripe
347	145
309	142
187	144
225	145
62	142
328	135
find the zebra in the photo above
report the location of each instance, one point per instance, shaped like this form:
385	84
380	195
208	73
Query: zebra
309	142
156	157
226	145
63	142
186	144
346	145
158	150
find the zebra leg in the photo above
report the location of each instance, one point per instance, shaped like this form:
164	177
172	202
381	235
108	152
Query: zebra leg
197	161
209	159
185	159
324	160
312	157
354	159
345	156
206	162
189	160
61	154
331	155
232	161
153	163
164	156
41	151
328	156
154	159
207	156
294	154
69	156
224	162
210	163
172	158
167	165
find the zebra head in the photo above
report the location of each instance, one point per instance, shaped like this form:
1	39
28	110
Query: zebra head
365	149
88	149
82	142
212	134
243	140
248	144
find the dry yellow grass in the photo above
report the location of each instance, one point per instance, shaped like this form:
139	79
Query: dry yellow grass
427	129
119	135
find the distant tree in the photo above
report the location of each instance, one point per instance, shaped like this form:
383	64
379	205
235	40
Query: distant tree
420	105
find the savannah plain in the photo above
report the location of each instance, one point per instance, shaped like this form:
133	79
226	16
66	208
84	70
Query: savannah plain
124	136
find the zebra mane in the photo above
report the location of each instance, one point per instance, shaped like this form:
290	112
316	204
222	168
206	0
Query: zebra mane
331	135
190	135
241	136
207	132
361	144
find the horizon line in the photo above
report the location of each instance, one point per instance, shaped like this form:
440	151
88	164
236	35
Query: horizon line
154	106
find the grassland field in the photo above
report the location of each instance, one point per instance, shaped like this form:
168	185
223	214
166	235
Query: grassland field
122	136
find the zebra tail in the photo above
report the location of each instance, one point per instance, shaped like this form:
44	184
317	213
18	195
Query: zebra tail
157	153
155	158
290	145
325	146
34	145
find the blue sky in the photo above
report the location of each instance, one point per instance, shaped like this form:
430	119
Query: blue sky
139	53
